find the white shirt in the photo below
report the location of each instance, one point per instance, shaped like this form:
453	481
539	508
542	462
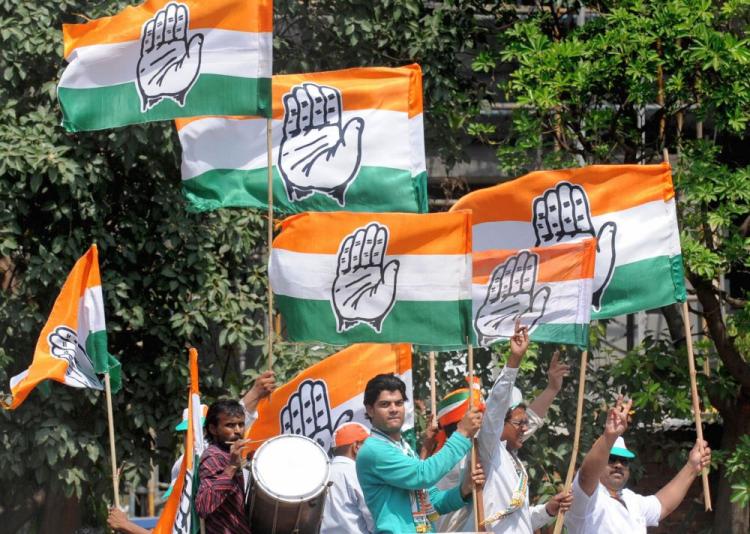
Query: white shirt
603	514
455	521
345	510
499	467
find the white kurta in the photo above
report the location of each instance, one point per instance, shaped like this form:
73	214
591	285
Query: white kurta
499	467
603	514
345	509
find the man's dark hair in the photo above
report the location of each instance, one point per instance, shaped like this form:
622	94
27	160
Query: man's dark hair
225	406
450	429
383	382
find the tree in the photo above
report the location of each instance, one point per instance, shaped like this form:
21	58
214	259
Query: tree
618	81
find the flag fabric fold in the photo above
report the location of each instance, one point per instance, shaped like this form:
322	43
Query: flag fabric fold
344	277
72	346
330	393
179	515
342	140
548	288
629	209
166	59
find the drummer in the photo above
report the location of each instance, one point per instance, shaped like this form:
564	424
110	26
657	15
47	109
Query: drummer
397	485
345	510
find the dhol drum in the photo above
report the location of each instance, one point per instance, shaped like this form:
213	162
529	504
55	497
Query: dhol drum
289	482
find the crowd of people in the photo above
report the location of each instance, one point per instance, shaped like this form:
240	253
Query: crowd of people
380	484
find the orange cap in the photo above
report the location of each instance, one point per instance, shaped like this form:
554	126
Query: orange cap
349	433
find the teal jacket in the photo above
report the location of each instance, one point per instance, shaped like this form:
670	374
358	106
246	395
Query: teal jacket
387	476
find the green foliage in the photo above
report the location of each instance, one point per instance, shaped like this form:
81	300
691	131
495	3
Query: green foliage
738	469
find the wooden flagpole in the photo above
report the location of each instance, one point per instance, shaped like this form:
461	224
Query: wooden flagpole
269	152
113	454
433	392
694	386
696	400
576	437
476	493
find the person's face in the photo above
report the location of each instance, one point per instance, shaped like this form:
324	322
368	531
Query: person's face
228	428
515	427
387	412
616	473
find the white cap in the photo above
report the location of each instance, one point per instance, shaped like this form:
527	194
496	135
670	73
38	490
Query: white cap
516	398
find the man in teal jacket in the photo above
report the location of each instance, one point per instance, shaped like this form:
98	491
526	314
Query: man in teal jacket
397	485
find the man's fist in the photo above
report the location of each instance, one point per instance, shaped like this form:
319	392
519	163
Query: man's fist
470	423
700	456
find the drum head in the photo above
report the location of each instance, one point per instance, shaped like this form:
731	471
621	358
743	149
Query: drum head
291	468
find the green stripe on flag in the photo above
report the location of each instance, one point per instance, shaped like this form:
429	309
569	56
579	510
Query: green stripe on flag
102	360
378	189
561	333
119	105
437	323
643	285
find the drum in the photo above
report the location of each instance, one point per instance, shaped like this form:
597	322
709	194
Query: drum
289	482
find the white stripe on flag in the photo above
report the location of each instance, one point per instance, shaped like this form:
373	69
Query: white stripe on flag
225	52
421	277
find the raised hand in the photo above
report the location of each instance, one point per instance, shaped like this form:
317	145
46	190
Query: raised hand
63	344
308	413
617	418
557	372
700	456
510	295
364	289
169	63
316	152
563	214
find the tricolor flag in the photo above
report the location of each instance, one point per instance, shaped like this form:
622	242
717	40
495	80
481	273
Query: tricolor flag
72	346
630	209
349	139
343	277
163	60
549	288
330	393
179	515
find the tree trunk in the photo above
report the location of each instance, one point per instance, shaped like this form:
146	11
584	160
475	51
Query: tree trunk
60	514
731	517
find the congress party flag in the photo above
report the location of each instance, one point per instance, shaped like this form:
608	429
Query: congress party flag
166	59
344	277
72	346
342	140
548	288
630	209
330	393
179	515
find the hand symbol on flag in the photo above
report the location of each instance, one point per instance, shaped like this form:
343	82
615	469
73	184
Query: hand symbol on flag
364	289
316	153
169	63
63	344
563	214
510	294
308	412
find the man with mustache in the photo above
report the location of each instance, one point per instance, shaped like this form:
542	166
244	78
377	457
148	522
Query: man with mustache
602	503
397	485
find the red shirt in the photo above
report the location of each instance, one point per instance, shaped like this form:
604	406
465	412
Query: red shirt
221	498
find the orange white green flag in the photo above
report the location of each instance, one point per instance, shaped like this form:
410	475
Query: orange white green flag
348	139
330	393
344	277
548	288
179	515
72	346
630	209
166	59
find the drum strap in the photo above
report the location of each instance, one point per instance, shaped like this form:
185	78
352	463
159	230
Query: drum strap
422	511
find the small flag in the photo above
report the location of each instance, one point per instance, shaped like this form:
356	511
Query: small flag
166	59
548	288
348	139
72	346
343	277
630	209
331	392
179	515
